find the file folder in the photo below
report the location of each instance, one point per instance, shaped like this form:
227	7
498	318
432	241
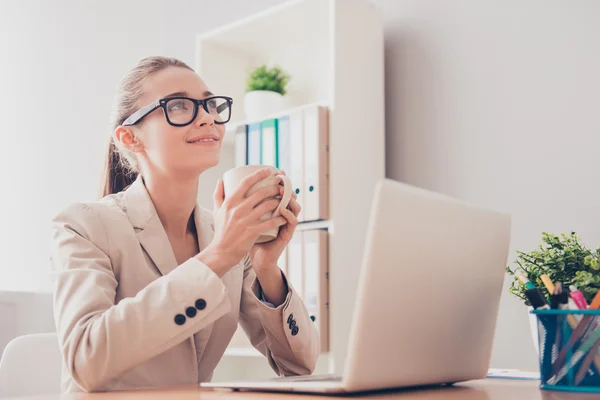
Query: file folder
283	141
296	172
269	142
316	260
295	261
241	145
316	164
254	144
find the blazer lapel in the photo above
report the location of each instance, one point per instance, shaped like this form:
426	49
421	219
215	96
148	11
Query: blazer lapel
149	229
205	227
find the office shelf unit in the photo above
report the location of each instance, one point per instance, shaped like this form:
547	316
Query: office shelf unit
333	50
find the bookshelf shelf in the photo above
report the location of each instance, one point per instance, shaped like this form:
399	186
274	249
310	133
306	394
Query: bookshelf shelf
325	225
333	51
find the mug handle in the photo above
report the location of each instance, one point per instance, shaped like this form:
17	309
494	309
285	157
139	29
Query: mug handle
287	194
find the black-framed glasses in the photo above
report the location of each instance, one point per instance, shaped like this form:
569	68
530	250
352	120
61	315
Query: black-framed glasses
182	111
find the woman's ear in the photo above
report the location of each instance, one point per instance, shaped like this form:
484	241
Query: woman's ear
128	139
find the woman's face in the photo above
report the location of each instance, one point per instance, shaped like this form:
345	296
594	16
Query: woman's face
172	150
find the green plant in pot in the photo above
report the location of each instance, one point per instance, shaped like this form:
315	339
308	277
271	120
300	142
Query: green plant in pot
564	259
265	91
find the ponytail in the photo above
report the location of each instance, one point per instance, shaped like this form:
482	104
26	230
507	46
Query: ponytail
121	167
117	173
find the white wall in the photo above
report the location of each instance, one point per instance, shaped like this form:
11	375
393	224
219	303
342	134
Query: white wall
497	102
23	313
191	17
61	62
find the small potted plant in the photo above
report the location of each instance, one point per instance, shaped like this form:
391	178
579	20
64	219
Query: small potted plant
265	91
564	259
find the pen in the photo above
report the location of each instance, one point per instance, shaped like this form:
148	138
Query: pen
560	299
557	297
566	303
587	361
578	298
525	281
533	294
572	306
538	302
583	349
577	334
537	299
595	301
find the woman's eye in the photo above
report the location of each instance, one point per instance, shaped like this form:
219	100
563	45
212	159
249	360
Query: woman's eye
212	104
176	105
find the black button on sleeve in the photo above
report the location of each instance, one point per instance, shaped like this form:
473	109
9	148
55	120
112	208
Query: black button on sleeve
290	318
292	324
190	312
180	319
200	304
312	318
295	331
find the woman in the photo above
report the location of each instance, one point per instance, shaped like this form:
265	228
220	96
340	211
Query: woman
149	288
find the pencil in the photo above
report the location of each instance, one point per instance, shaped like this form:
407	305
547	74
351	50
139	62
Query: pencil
583	326
548	283
587	361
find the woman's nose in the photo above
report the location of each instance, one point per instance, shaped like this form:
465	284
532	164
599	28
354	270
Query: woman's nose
203	118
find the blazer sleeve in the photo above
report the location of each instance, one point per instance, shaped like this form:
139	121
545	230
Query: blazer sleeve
285	334
99	339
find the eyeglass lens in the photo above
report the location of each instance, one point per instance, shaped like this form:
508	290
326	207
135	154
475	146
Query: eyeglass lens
181	111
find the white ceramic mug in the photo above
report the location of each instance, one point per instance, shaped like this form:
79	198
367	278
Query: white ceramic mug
233	177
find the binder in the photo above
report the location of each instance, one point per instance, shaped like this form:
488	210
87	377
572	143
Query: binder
241	145
269	142
283	144
316	164
254	145
316	276
296	172
295	261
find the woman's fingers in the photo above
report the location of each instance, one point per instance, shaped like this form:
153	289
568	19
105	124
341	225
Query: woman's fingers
260	195
281	190
295	207
247	183
271	223
267	207
290	216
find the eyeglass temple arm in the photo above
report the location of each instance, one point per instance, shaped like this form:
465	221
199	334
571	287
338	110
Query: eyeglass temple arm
141	113
222	106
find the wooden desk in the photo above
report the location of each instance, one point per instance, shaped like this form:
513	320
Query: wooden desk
489	389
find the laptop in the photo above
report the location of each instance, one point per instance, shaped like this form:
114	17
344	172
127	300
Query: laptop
428	296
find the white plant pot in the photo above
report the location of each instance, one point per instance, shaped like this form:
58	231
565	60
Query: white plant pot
259	104
533	324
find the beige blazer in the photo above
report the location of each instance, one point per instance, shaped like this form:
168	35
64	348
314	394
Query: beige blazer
128	316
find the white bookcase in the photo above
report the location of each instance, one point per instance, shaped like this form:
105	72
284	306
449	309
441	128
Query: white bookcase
333	50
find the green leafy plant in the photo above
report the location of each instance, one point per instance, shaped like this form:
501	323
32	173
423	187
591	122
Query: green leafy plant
273	79
564	259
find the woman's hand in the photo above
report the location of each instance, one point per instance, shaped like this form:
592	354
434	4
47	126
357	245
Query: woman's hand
238	223
264	256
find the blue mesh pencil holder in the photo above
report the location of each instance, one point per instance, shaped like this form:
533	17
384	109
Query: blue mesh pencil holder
569	343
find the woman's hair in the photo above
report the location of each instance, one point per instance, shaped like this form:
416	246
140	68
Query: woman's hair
121	167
